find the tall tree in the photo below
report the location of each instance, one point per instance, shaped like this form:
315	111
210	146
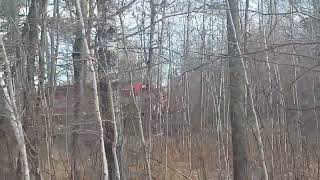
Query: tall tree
137	105
239	86
237	95
88	69
11	108
78	64
107	56
32	101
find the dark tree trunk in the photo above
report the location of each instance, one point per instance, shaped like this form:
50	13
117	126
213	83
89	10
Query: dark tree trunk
237	95
107	58
31	117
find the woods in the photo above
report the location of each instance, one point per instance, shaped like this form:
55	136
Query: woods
159	89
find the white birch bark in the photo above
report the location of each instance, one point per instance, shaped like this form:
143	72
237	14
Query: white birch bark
10	106
93	83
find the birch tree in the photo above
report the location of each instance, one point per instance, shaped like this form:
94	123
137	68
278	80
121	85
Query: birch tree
11	107
107	56
88	66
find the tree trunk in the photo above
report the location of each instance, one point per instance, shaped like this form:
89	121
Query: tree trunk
237	95
79	93
108	93
10	106
92	83
168	106
41	91
149	80
31	98
239	86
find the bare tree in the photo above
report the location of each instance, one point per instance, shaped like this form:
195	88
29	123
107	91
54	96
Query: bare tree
266	83
107	56
239	84
88	66
11	107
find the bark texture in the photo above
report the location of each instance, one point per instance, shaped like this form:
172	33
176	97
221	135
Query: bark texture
91	82
11	108
239	86
107	34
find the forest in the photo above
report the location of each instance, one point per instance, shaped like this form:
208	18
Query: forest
159	89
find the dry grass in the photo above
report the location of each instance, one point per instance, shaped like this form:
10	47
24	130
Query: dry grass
204	161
